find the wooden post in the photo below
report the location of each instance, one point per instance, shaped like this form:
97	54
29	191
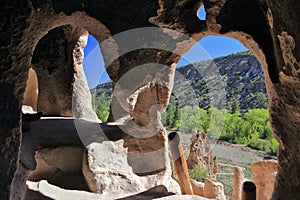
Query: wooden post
180	164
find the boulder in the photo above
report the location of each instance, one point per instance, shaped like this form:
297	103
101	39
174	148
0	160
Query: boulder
198	187
213	190
60	166
106	171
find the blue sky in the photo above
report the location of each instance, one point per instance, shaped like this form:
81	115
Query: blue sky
208	47
93	63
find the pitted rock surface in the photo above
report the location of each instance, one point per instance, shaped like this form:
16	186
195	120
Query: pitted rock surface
269	29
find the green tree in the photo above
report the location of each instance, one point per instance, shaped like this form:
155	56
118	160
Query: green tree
215	121
172	116
187	124
262	100
235	106
232	127
177	118
258	122
101	106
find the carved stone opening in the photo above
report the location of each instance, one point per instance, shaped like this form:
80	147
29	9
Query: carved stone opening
268	28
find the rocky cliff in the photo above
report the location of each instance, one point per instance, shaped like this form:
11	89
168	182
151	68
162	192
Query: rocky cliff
241	74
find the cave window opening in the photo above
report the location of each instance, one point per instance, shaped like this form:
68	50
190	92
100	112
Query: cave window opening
245	111
99	82
59	60
49	91
53	63
201	13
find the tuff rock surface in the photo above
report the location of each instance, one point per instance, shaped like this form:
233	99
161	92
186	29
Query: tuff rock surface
106	171
238	180
269	29
264	176
213	190
31	91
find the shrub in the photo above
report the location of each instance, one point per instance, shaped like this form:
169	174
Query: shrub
269	146
198	173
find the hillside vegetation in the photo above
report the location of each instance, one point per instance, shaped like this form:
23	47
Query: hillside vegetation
251	128
193	103
239	76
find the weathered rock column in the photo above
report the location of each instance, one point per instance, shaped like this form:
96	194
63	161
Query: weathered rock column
238	180
142	93
81	98
147	150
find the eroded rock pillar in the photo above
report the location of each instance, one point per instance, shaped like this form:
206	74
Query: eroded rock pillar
142	93
238	180
81	98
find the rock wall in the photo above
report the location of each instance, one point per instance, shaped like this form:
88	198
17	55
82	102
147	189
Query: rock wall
14	67
31	90
56	166
264	176
208	189
268	28
106	171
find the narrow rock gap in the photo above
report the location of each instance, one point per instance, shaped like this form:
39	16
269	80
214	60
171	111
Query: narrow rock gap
94	68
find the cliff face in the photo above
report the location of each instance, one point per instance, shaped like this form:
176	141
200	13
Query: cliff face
241	74
103	90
